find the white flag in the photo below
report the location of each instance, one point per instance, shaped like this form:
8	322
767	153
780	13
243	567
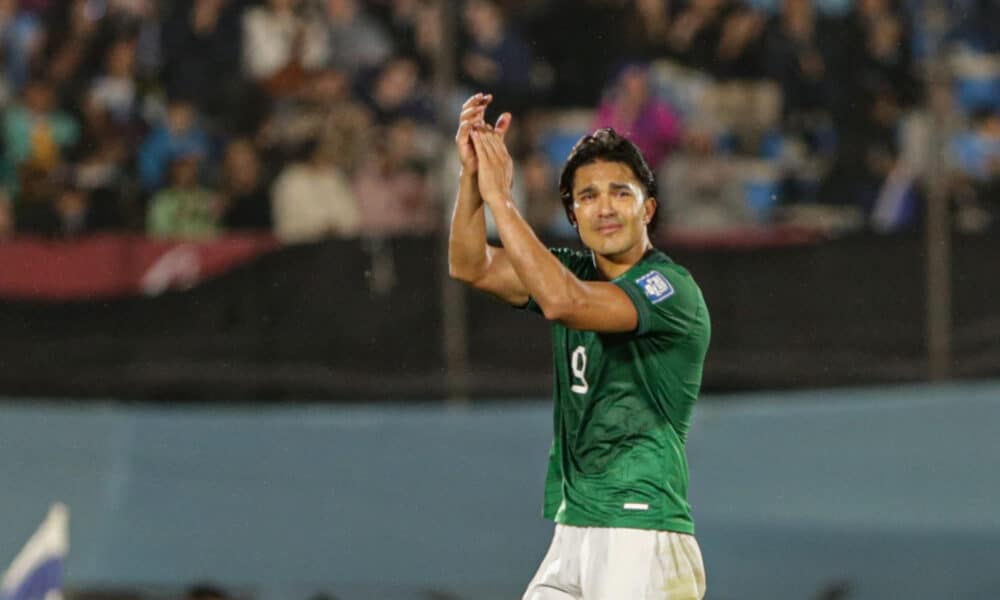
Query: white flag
37	571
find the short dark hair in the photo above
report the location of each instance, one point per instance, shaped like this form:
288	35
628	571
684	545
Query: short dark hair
609	146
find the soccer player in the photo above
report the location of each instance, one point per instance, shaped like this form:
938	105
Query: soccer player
629	335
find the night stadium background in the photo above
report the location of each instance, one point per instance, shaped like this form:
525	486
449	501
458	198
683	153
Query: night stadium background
231	349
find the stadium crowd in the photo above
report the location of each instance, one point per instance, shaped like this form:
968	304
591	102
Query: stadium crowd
316	118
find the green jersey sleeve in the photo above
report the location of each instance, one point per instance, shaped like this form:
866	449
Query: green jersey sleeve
665	296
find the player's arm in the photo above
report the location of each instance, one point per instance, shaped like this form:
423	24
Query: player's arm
471	259
585	305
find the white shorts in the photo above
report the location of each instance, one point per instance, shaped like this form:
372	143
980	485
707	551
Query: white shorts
600	563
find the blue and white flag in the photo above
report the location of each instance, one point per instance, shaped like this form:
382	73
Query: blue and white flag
37	571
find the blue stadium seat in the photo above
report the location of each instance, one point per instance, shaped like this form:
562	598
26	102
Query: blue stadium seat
978	93
761	195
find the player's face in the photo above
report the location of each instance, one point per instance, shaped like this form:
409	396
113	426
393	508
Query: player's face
611	207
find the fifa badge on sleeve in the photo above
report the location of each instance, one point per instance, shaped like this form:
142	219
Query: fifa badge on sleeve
655	286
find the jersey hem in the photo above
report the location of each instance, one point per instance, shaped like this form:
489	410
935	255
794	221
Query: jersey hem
667	525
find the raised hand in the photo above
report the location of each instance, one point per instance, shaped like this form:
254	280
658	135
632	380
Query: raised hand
496	167
473	114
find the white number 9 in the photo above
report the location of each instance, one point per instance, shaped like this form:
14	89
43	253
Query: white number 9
578	363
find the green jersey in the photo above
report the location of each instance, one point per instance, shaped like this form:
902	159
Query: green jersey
623	403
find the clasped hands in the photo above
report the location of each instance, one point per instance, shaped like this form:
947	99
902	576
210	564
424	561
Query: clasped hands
483	151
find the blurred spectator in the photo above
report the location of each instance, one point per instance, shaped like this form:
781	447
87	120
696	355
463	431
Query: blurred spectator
696	32
397	93
244	188
976	80
202	48
49	205
977	24
278	76
874	85
21	38
802	57
136	19
795	42
392	187
632	109
739	54
73	48
544	209
576	36
184	209
357	41
143	20
415	29
978	151
313	200
73	210
100	165
496	59
116	89
878	52
869	150
179	134
35	212
647	27
975	155
280	44
323	105
427	33
346	133
103	152
721	37
35	130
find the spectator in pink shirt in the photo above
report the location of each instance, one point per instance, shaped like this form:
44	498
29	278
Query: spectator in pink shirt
392	187
631	108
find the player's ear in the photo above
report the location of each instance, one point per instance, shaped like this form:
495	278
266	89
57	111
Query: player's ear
503	124
650	205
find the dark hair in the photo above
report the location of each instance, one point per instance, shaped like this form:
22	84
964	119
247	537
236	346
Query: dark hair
608	146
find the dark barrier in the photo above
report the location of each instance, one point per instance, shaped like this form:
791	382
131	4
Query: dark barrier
360	319
843	312
976	306
332	319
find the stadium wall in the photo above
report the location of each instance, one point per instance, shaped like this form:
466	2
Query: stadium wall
889	492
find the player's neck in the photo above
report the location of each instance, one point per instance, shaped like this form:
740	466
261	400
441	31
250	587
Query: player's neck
613	265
